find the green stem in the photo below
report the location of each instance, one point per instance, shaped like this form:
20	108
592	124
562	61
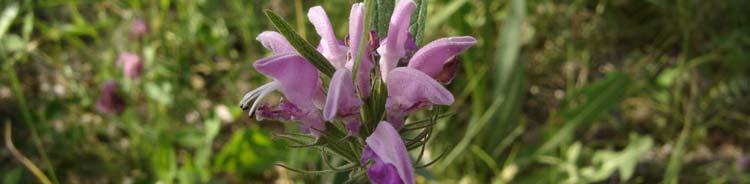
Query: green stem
300	18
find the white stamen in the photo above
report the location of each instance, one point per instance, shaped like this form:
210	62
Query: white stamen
257	95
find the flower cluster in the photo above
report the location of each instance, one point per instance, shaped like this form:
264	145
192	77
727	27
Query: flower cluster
110	100
413	77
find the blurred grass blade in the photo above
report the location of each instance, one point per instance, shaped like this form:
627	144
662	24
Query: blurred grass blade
441	16
418	21
509	76
304	48
28	26
383	11
674	165
9	14
508	94
600	96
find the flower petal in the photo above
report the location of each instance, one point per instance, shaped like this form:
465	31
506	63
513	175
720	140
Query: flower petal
110	100
399	27
388	147
275	42
409	90
356	26
131	65
341	100
352	126
138	28
392	49
382	173
332	49
296	78
431	58
298	81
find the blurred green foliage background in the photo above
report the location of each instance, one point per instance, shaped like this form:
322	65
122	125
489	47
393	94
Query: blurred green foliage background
580	91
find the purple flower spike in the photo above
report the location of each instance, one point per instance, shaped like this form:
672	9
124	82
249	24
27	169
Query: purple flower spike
409	90
433	57
275	42
298	81
131	65
391	163
332	49
110	100
342	100
138	28
392	49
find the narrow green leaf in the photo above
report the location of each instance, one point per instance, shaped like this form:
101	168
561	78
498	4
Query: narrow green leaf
441	16
383	11
418	20
9	14
304	48
509	77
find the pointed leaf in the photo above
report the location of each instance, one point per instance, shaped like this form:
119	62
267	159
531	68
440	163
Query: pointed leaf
418	21
304	48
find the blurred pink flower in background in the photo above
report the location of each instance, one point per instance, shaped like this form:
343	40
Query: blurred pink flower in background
131	64
742	162
138	28
110	100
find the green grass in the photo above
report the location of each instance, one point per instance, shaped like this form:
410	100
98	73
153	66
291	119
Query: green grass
555	91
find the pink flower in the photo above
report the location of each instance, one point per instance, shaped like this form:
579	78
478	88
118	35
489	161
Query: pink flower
415	86
296	78
131	65
110	100
342	100
138	28
391	163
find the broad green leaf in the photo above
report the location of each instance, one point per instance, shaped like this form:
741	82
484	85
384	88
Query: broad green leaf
12	176
304	48
161	93
606	162
248	151
13	43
